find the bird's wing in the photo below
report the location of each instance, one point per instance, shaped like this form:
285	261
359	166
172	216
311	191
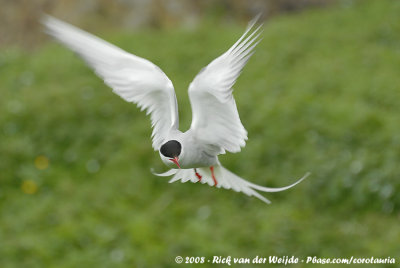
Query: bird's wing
215	119
133	78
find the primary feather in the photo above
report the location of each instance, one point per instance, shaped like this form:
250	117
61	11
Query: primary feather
215	117
133	78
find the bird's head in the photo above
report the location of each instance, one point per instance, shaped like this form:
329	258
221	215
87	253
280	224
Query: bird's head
170	152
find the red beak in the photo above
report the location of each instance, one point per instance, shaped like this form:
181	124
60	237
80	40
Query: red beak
175	160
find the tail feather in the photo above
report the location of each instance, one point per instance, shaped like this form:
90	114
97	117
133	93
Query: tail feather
226	179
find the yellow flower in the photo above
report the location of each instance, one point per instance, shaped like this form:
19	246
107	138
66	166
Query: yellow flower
29	187
41	162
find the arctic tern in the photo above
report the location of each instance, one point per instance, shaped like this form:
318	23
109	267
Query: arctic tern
216	126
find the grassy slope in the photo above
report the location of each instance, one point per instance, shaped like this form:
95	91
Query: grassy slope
320	95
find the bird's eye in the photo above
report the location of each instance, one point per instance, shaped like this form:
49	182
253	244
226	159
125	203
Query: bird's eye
171	149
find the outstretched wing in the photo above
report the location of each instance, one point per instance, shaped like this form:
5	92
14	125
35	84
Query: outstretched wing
133	78
215	119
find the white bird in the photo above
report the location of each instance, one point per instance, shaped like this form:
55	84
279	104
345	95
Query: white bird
216	126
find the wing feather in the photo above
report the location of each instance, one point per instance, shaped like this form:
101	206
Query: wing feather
133	78
215	119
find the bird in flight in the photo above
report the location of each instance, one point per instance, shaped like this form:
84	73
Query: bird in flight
216	126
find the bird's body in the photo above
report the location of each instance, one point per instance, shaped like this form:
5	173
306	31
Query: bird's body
193	155
216	126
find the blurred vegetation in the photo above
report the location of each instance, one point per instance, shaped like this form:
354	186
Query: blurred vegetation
321	94
19	19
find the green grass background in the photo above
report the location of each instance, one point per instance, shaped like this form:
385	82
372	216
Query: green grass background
321	94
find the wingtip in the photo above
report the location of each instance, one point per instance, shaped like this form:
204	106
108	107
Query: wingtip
257	17
255	20
45	19
50	23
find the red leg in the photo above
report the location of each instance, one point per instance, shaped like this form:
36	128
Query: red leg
213	176
197	175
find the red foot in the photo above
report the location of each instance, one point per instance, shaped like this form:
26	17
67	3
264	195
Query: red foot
212	175
197	175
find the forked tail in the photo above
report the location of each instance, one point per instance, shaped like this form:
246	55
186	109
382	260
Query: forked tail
226	179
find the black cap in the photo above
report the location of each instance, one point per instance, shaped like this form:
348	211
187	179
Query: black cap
171	149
